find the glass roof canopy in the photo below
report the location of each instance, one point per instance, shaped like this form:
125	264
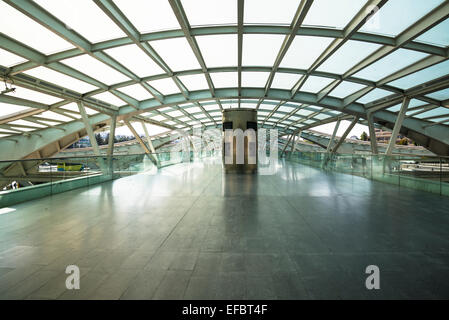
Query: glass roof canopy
179	63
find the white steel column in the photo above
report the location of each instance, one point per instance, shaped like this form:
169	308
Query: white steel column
88	126
397	125
112	135
331	141
150	143
372	133
138	138
345	135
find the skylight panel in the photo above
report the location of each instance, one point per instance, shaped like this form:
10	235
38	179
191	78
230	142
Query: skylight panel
95	69
74	107
204	12
26	123
136	91
50	115
61	79
331	13
147	16
304	112
218	50
165	86
261	49
254	79
30	32
171	50
194	82
85	17
374	95
425	75
224	79
440	111
315	84
286	109
8	59
350	54
7	109
393	62
285	80
215	114
248	105
211	107
439	95
159	118
133	58
270	12
109	98
33	96
176	113
193	110
304	50
265	106
346	88
386	19
438	35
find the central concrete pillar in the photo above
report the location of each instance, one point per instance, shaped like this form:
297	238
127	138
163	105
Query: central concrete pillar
240	140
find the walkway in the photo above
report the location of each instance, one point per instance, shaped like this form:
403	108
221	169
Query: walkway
190	232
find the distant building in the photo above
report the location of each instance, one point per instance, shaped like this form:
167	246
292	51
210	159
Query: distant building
383	136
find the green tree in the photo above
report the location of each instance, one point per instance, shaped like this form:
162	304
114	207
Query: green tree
364	136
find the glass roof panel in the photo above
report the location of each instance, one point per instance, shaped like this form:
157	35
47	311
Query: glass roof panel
304	112
54	116
202	12
415	79
438	35
260	49
254	79
329	13
346	88
30	32
27	123
286	109
439	95
351	53
175	113
266	106
374	95
285	80
193	109
33	96
8	59
386	19
171	49
136	91
224	79
109	98
164	86
149	16
96	69
268	11
194	82
303	51
85	17
218	51
61	79
440	111
140	64
6	109
159	118
315	84
391	63
211	107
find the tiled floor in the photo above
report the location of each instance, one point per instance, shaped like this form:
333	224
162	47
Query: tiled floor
191	232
